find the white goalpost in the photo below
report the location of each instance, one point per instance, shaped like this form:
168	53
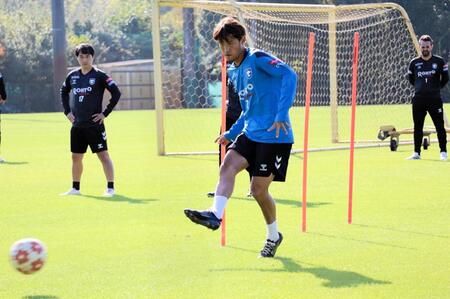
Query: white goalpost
187	67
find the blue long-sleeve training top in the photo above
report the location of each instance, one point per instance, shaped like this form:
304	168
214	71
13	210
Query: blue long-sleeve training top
266	87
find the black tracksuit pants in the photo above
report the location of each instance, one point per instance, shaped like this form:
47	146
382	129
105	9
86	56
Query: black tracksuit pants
420	107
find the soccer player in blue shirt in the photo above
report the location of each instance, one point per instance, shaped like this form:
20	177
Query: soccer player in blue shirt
262	136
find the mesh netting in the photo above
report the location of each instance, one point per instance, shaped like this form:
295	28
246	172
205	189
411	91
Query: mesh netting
191	64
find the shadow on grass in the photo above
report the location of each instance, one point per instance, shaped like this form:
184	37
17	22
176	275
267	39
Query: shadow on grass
332	278
288	202
361	241
121	198
13	163
402	230
40	297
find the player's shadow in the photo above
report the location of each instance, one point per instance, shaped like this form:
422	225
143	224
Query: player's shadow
362	241
331	278
13	163
40	297
393	229
122	198
289	202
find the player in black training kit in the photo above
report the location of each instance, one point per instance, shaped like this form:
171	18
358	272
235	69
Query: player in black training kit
428	73
2	101
232	114
87	115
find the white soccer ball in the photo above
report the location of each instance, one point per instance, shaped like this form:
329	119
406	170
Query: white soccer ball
28	255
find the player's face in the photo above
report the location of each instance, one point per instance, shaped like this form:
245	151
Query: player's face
232	48
85	60
426	48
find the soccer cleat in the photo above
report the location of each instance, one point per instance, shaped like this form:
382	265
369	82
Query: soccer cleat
109	192
210	194
205	218
270	248
415	156
443	156
72	191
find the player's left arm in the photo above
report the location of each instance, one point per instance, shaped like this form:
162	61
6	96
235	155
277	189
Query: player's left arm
112	87
277	68
444	74
2	90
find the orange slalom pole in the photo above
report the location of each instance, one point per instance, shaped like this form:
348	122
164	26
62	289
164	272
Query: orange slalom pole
222	130
306	134
352	125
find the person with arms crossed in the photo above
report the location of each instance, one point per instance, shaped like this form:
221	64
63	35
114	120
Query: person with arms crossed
262	136
2	101
428	74
88	84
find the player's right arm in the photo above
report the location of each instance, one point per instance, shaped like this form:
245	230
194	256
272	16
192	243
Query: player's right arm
2	90
411	72
65	91
235	129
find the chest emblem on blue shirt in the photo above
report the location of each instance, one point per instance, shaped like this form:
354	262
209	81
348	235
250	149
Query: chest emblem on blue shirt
92	81
248	72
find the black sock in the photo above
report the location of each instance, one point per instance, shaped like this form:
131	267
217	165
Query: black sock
110	185
76	185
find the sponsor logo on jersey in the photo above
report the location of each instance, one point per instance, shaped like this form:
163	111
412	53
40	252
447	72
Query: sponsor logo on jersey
419	67
248	72
276	62
92	81
74	77
426	73
110	81
83	90
73	82
419	63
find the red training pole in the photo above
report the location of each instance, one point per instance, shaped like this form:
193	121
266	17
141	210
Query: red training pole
222	130
352	125
305	141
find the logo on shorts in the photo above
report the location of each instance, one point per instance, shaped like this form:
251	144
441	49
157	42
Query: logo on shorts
440	110
263	167
92	81
278	162
99	146
104	135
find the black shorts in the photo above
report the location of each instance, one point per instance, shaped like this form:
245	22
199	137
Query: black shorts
264	159
94	136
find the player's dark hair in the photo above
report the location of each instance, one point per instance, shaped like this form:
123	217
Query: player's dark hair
228	27
426	38
84	49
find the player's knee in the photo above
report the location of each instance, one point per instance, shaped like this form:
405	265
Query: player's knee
77	157
258	190
228	169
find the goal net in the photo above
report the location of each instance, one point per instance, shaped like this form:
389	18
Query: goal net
187	68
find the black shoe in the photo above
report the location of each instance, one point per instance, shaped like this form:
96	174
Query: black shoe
210	194
205	218
270	248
